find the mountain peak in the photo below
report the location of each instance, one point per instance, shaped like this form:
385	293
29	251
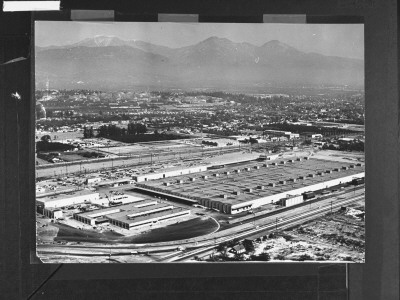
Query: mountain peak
101	41
216	39
276	44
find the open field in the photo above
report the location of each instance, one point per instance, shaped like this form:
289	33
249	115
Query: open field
339	236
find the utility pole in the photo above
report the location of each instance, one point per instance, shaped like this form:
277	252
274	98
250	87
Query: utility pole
276	224
331	206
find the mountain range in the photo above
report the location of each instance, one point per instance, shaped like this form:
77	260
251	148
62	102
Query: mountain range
111	63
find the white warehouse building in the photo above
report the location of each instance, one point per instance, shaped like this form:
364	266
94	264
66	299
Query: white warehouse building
72	198
169	173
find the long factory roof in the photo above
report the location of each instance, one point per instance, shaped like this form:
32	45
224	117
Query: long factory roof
124	218
213	187
124	209
71	194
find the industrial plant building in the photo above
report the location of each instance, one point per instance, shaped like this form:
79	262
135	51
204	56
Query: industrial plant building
134	215
67	199
168	173
234	189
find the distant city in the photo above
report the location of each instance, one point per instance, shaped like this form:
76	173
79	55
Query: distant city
220	151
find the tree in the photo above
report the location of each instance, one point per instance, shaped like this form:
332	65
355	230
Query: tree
239	256
91	132
85	132
264	257
248	244
46	138
221	247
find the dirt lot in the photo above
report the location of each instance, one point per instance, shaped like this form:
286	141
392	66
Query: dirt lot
339	236
336	237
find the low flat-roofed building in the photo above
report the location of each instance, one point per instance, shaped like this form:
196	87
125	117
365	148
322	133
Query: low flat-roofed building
241	190
52	213
116	182
170	172
124	221
291	136
66	199
92	180
131	215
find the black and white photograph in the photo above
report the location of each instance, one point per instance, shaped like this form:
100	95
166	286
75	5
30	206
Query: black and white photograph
199	142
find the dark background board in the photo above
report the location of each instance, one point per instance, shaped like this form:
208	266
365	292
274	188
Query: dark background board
378	278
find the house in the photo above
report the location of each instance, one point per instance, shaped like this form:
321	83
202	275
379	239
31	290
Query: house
238	249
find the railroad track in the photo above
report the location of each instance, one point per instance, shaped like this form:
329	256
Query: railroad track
202	246
277	225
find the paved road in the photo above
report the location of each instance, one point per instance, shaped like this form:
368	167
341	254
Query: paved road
205	243
61	169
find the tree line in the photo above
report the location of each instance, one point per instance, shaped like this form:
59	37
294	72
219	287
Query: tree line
115	131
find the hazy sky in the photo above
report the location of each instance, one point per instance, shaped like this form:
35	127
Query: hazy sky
346	40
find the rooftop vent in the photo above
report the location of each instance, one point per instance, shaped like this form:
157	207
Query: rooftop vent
271	184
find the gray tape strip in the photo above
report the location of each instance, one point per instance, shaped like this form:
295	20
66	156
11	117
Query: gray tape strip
92	15
284	18
178	18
